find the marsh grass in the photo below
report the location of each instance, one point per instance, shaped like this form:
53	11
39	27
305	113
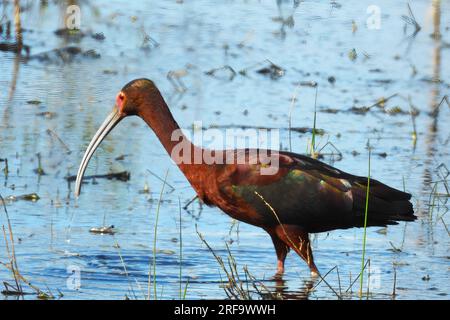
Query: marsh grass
410	19
312	146
182	292
17	289
162	180
122	261
234	286
432	200
276	217
313	138
323	279
348	293
332	154
314	149
365	226
394	288
158	207
216	73
152	273
439	195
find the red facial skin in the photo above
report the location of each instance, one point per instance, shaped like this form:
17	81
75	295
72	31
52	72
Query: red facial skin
120	101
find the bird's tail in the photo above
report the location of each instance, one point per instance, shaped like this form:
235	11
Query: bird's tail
386	205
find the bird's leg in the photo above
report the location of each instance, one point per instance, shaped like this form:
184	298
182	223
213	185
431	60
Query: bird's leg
282	250
309	257
297	239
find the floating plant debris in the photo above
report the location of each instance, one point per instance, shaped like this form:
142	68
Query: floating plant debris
34	102
33	197
46	114
70	34
98	36
272	70
121	176
352	55
64	55
359	110
15	47
103	230
311	84
219	73
121	157
294	129
330	110
275	72
107	71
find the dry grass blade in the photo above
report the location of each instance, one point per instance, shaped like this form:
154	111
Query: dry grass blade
235	288
445	226
276	217
53	134
356	279
12	254
130	285
190	202
231	75
410	19
322	279
338	152
155	238
266	293
395	283
161	179
231	281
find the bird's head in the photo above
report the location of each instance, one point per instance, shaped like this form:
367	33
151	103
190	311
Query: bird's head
139	97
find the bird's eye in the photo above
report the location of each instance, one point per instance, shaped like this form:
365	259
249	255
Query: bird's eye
121	96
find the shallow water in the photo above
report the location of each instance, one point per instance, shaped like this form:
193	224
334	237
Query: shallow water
52	234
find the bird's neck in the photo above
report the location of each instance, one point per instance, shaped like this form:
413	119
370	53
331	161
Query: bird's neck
182	151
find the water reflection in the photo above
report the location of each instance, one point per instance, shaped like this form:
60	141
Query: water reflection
282	291
286	20
435	96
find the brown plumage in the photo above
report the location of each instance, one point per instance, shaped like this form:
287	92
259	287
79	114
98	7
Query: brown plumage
303	196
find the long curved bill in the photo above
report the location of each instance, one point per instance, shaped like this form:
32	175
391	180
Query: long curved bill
110	122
